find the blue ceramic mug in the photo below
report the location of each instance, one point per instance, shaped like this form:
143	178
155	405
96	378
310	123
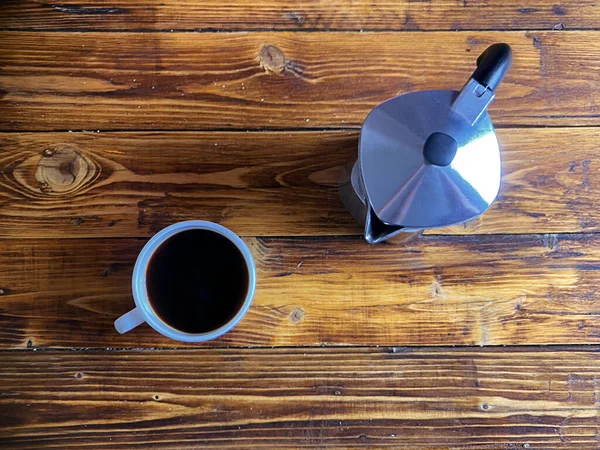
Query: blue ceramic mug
144	312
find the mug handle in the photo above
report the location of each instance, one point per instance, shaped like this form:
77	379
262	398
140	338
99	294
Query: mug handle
129	321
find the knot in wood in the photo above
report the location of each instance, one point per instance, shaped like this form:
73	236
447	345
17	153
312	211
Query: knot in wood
63	169
271	59
296	315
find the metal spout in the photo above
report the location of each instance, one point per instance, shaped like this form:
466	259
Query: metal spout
377	231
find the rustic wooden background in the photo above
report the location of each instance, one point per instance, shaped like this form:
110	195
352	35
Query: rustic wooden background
119	117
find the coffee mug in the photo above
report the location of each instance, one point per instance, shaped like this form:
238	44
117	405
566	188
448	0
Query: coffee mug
193	281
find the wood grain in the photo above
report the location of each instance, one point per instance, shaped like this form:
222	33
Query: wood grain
472	290
265	183
134	184
177	81
302	398
305	15
159	79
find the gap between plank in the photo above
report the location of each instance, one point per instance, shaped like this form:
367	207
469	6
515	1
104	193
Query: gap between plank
286	30
592	348
276	130
321	237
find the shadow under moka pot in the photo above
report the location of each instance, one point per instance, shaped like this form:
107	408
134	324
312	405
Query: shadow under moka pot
428	159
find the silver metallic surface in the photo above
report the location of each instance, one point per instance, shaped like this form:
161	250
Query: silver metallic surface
401	187
472	101
427	159
354	199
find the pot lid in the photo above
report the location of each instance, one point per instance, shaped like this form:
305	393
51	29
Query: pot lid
431	159
424	166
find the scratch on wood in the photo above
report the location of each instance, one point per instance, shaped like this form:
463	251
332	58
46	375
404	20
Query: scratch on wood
585	165
527	10
78	9
294	16
550	241
597	416
569	386
436	288
561	433
484	334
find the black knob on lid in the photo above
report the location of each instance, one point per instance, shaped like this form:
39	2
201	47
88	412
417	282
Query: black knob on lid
440	149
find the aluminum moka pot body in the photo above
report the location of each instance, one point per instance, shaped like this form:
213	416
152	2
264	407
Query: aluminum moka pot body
428	159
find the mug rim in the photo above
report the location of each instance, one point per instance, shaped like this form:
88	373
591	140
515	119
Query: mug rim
140	292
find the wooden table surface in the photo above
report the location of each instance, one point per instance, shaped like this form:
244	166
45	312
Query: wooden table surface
120	117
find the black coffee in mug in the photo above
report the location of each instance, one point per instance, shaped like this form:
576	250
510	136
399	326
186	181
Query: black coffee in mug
197	280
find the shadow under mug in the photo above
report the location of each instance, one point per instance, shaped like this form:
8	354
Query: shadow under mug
143	312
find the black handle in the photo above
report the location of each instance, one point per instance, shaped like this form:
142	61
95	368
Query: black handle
492	65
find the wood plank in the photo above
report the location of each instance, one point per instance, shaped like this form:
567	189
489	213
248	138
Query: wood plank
264	183
302	398
170	81
305	15
134	184
484	290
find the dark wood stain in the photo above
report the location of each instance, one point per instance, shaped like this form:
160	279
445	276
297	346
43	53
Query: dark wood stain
559	10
